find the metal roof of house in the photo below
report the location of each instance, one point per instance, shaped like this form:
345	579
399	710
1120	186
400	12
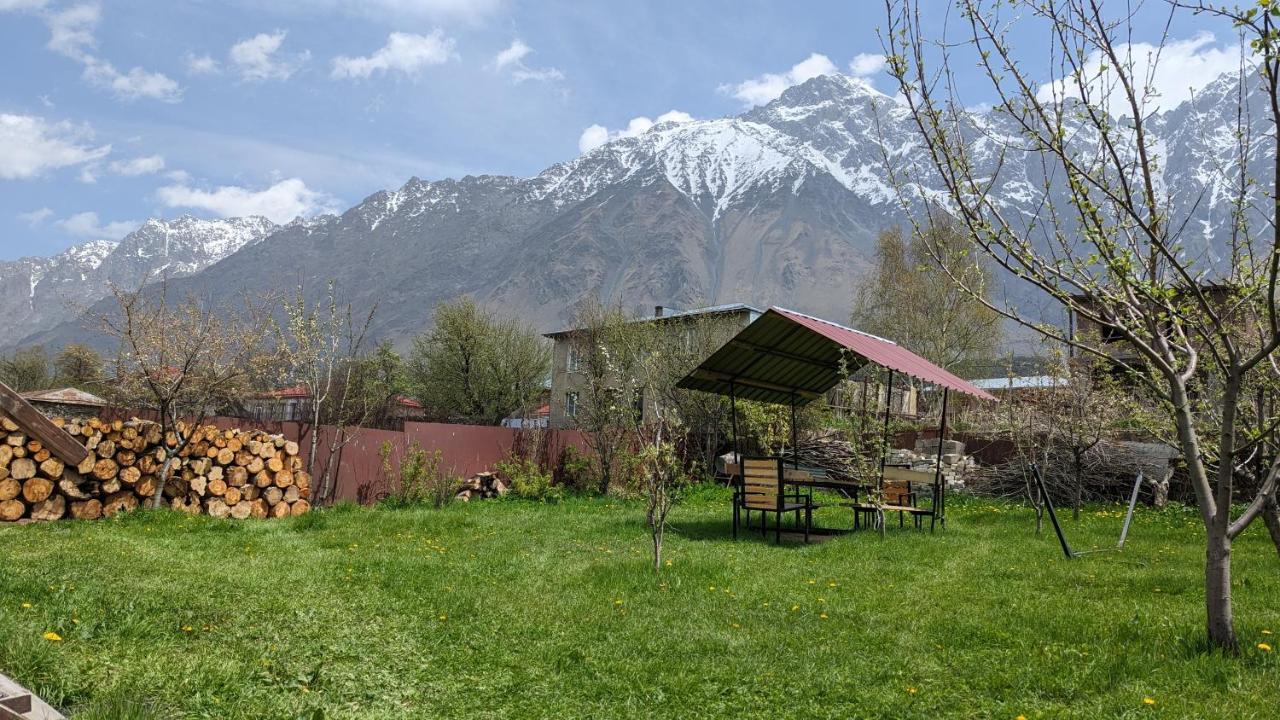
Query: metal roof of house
64	396
676	314
786	355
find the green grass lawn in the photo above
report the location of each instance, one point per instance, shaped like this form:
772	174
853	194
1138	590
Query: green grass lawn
513	609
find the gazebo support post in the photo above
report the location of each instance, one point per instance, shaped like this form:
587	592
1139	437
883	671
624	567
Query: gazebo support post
884	439
795	445
941	502
737	456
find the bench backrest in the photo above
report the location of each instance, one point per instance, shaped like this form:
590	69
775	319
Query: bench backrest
897	492
761	482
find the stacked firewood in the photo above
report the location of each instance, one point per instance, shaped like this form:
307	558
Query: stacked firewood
224	473
481	485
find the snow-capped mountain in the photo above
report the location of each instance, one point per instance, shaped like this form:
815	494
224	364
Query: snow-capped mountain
39	293
778	205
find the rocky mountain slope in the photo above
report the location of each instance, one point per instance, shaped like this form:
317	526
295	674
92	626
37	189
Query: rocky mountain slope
779	205
38	293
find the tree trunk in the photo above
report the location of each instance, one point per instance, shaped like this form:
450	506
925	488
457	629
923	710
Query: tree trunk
1078	498
1271	516
1217	570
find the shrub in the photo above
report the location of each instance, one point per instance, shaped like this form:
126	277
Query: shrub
528	481
417	480
574	473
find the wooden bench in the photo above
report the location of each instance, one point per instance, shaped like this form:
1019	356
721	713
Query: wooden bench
900	494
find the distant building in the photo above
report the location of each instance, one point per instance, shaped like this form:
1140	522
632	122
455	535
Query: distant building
539	417
293	403
568	379
66	402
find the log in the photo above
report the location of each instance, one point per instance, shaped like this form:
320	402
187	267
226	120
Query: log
273	495
226	456
52	468
231	496
299	508
279	510
71	489
215	507
290	448
262	479
11	510
37	489
105	469
146	486
291	495
275	464
86	510
198	485
258	509
283	479
217	487
130	475
237	476
242	510
118	502
255	466
22	468
52	509
10	488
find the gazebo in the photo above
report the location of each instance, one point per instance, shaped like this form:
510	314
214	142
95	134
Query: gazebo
790	358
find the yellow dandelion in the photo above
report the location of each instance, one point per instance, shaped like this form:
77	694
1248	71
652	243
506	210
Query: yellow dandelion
1148	701
1264	647
831	584
52	636
1021	717
823	616
736	626
444	617
617	602
1266	632
711	588
911	691
813	582
795	608
187	628
26	606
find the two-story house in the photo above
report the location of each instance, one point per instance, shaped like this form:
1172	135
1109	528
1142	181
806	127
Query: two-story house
567	372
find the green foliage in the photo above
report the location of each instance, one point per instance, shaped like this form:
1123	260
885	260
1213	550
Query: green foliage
27	369
476	367
79	366
983	620
417	479
528	481
574	473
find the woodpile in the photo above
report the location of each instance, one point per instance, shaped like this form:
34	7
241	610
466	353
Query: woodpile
224	473
480	486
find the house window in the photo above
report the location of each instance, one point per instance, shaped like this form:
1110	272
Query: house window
575	359
571	404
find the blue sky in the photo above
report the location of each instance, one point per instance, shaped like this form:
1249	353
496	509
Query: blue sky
115	111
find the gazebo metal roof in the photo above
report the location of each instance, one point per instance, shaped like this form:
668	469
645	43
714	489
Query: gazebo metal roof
786	356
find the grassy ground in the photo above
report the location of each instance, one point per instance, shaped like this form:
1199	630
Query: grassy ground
513	609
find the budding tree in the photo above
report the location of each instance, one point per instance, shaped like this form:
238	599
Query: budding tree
182	359
1111	241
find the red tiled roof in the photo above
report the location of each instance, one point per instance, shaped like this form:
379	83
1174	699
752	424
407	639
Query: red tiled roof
406	401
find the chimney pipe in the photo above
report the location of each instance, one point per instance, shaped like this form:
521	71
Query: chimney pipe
657	311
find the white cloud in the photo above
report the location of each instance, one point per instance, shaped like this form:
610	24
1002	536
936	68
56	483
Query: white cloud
513	54
87	225
597	135
71	34
201	65
138	166
767	87
1181	67
259	58
404	52
36	217
135	84
282	202
866	64
29	146
513	57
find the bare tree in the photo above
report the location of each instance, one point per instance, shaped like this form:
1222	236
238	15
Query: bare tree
610	350
1116	252
320	344
906	296
183	360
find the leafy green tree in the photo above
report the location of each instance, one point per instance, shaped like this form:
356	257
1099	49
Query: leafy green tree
79	366
27	369
476	367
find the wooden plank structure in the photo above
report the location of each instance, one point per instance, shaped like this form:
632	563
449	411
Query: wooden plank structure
785	357
66	448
